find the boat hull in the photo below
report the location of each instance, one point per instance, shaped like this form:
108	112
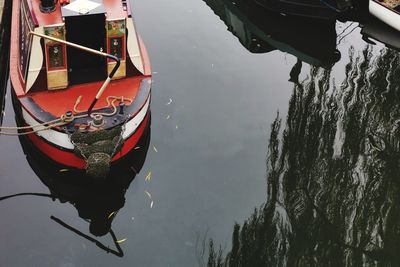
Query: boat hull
56	145
385	14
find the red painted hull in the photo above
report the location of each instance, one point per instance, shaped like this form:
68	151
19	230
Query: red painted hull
69	159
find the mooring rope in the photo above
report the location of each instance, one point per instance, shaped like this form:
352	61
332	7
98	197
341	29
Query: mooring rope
63	119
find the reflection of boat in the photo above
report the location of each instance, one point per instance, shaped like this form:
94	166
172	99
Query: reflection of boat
376	30
339	5
5	17
261	31
59	74
386	10
97	201
302	8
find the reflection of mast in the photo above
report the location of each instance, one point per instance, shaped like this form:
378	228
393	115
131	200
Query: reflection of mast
333	175
262	31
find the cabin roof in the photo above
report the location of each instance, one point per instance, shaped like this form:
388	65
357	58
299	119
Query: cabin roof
114	9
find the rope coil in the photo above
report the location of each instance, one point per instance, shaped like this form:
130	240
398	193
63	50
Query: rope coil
64	119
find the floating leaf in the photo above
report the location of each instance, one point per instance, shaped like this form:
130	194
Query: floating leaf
121	240
155	149
148	176
111	214
167	117
176	127
63	170
148	194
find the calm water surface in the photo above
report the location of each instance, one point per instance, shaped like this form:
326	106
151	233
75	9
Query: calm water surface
315	147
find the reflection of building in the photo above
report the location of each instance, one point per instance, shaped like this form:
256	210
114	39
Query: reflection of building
333	174
262	31
96	201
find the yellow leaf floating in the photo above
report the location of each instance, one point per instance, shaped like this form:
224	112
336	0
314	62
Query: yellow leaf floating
148	194
121	241
63	170
111	214
148	177
155	149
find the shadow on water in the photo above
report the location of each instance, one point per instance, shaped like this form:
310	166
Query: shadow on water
97	201
262	31
5	31
333	184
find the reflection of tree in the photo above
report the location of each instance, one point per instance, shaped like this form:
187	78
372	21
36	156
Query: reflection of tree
333	176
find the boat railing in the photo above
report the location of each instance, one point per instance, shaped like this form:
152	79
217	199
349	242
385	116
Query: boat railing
92	51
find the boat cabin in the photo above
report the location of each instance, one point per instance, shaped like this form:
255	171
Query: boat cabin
103	25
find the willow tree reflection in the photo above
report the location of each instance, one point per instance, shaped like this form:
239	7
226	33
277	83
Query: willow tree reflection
333	174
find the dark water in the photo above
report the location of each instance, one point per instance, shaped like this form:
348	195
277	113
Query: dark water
314	148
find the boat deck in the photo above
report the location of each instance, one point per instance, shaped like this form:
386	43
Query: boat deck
58	102
114	9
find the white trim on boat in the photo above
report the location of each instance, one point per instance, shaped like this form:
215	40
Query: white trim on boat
133	46
35	61
55	137
133	124
385	14
62	139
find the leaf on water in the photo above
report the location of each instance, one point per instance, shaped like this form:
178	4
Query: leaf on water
155	149
148	176
151	204
63	170
169	102
167	117
121	240
136	148
148	194
176	127
111	214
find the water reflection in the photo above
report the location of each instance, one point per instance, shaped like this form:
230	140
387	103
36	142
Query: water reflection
375	30
263	31
97	201
333	194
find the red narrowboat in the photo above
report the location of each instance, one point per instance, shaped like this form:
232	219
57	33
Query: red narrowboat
81	80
